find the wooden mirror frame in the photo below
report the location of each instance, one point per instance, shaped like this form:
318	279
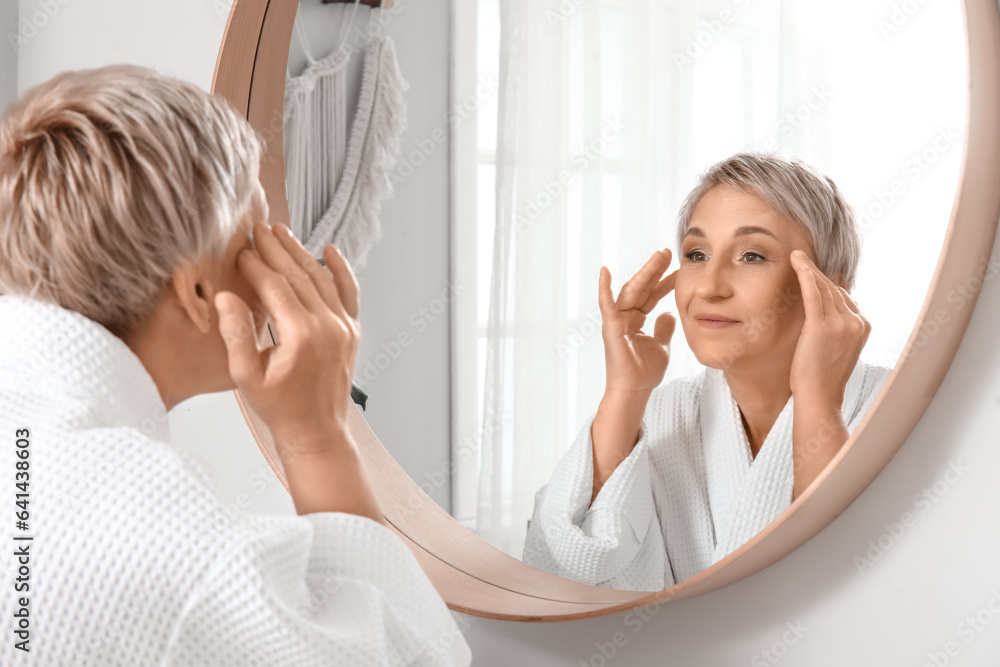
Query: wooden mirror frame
474	577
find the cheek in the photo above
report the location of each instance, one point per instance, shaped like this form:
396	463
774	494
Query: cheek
682	290
782	317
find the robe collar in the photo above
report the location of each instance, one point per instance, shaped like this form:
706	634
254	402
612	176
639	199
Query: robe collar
733	474
70	361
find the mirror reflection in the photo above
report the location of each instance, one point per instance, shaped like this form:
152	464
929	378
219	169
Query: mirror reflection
668	219
667	479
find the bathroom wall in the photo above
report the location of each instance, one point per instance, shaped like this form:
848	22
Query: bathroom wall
8	61
907	575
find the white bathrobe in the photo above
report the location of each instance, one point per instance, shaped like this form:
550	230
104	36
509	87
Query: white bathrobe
689	494
133	558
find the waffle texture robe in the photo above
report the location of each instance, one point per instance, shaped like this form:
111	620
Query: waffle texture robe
689	494
135	560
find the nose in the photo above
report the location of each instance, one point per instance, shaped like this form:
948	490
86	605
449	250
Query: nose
714	281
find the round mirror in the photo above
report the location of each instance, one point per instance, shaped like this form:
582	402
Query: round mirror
605	116
611	112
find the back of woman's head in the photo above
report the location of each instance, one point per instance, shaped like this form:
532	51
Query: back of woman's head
111	177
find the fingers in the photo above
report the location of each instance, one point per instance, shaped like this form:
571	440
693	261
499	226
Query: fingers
635	321
853	307
237	329
638	288
812	298
663	330
277	297
346	283
834	299
660	290
285	256
837	293
325	281
605	299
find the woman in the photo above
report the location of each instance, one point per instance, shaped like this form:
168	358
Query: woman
666	480
129	272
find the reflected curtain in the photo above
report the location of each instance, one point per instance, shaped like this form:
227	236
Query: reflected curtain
608	111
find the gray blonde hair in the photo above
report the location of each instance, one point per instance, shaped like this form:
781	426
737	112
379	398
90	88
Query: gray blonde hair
111	177
796	191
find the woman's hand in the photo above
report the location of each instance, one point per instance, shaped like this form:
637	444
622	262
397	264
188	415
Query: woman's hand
832	338
300	387
635	362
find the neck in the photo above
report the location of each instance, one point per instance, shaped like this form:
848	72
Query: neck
761	395
173	357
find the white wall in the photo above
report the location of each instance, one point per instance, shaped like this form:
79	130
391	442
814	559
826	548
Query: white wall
8	52
914	599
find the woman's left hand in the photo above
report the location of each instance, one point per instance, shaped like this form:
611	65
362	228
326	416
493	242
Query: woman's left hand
833	335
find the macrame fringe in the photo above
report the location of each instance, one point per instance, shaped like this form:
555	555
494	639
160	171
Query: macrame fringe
352	221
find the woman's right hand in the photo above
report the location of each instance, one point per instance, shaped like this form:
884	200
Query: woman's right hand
636	362
300	387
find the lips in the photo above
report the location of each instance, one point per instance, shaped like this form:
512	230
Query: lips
714	320
715	317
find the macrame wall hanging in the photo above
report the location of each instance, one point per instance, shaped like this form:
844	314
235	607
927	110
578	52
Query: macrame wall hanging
336	179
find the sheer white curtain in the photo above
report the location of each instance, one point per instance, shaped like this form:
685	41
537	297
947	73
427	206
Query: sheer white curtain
608	110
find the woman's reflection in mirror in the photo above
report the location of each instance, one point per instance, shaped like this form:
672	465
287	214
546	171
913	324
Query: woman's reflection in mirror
666	479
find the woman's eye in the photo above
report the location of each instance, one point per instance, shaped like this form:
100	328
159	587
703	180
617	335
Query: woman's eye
695	256
752	257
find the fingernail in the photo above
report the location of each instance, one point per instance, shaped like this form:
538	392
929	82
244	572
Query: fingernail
261	228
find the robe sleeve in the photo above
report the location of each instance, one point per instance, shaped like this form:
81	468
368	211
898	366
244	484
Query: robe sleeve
874	378
327	588
616	541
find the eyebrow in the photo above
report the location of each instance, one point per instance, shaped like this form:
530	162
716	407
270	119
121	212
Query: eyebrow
745	230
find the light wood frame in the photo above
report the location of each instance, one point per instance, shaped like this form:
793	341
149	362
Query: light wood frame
475	578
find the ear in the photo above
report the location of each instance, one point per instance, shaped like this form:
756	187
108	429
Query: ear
195	292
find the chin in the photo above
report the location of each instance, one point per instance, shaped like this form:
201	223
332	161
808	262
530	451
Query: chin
719	355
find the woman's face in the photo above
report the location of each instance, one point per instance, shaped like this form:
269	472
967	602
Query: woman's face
737	295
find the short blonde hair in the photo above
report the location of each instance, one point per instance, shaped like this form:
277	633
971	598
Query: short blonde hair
798	192
110	178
